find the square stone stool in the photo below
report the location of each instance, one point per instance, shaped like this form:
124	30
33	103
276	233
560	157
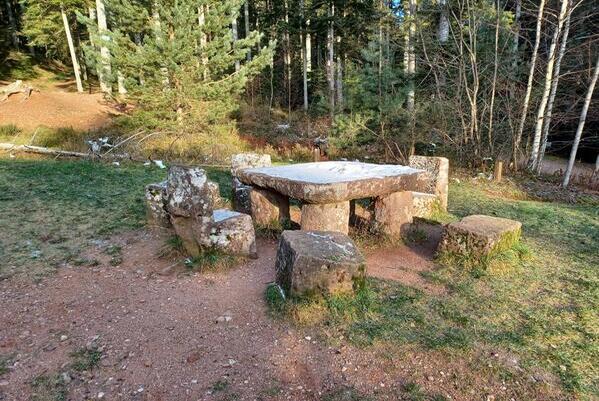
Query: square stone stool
480	236
310	262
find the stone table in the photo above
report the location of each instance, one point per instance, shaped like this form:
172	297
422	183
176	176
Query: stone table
325	190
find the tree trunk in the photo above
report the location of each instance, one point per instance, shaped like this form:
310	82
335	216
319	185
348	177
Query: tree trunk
13	24
554	84
331	60
76	70
246	17
308	47
443	27
410	58
203	41
516	39
494	82
287	58
339	66
536	143
533	62
581	121
121	83
304	58
104	70
235	36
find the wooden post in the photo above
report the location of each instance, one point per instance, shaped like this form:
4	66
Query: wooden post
316	152
497	174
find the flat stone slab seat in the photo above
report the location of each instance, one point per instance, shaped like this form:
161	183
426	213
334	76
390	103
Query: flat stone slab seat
311	262
233	233
334	181
480	235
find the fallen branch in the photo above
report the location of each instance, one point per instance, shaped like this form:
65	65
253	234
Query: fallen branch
41	150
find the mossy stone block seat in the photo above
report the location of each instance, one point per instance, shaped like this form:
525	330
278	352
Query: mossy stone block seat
312	262
480	236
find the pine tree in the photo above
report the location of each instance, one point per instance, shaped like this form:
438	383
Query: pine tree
184	67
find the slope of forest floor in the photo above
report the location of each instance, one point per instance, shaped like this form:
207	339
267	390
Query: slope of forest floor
97	306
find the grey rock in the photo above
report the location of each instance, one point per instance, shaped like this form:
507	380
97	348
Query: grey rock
317	262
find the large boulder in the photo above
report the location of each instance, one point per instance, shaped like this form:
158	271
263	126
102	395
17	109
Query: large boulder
479	236
188	192
318	262
156	205
233	233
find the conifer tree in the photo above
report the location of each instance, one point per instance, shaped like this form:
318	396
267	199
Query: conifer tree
182	70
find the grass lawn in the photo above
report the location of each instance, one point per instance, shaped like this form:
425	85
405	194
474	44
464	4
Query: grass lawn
543	309
52	210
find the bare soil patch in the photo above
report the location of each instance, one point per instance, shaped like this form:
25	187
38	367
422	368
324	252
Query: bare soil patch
57	108
157	329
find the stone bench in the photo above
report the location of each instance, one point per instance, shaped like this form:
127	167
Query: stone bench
480	236
311	262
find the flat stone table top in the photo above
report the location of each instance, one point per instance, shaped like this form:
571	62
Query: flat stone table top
335	181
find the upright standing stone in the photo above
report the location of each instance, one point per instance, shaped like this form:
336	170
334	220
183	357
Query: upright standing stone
241	192
393	213
156	205
326	217
189	204
268	207
318	262
214	190
437	177
188	192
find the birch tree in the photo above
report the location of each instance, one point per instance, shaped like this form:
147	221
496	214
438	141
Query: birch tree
554	85
581	122
525	104
74	61
536	143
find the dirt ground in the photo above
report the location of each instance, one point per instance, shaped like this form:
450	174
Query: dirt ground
160	336
57	107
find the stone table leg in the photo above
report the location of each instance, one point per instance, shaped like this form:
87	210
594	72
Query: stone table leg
326	217
268	207
393	213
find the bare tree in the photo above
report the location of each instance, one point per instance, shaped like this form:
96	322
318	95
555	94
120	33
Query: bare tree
246	17
410	56
525	104
76	69
554	84
581	121
536	142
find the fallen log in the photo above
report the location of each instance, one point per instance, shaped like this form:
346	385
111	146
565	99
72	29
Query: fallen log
41	150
